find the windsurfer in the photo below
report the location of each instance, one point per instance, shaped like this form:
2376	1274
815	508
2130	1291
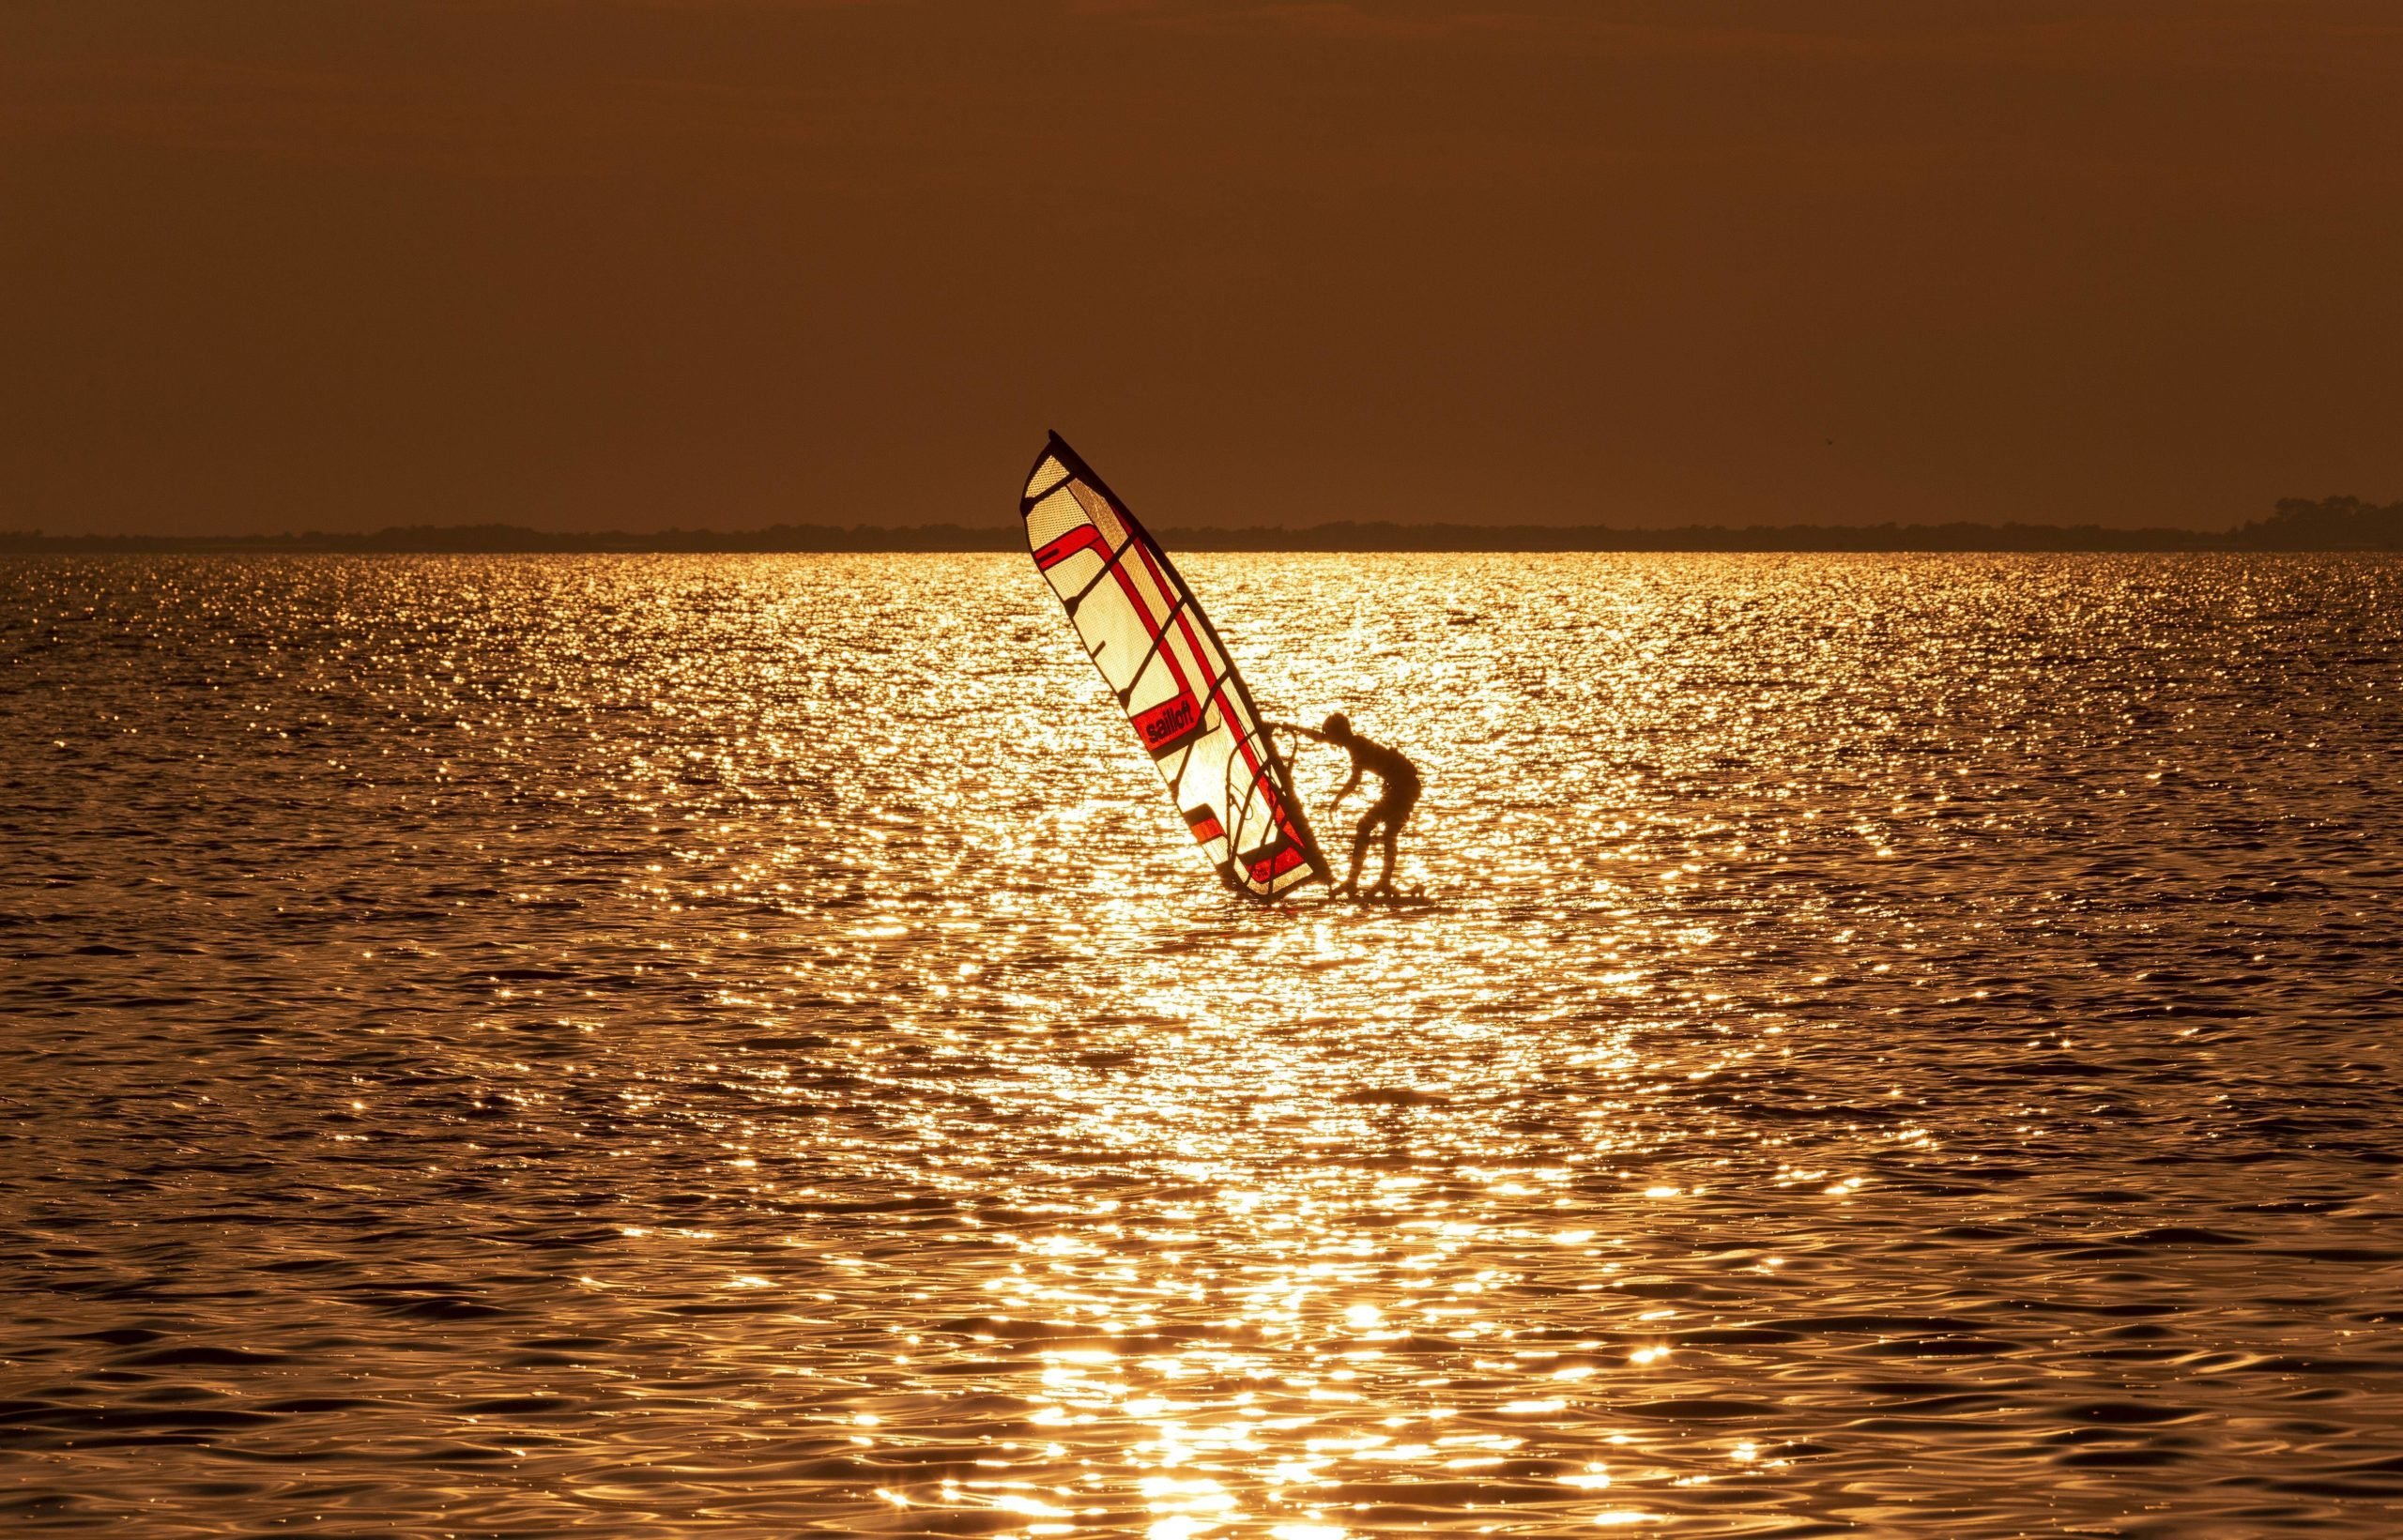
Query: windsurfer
1400	784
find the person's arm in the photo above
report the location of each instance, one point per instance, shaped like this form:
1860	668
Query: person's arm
1338	797
1297	727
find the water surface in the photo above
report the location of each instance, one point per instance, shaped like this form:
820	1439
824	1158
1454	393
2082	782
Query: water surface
740	1045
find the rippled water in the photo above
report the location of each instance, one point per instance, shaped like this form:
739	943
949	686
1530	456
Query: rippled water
687	1045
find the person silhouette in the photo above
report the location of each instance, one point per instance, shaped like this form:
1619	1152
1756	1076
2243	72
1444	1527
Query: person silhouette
1398	783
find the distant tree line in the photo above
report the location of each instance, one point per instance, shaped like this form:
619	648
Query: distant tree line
508	539
2332	524
2300	524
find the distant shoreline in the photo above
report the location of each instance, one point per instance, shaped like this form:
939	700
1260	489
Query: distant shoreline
2328	525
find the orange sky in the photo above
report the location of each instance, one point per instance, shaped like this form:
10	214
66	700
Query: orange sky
271	265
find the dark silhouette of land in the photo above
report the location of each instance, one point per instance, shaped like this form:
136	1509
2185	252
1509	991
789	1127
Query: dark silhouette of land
2300	524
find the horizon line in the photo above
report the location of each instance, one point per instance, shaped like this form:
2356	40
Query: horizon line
2333	524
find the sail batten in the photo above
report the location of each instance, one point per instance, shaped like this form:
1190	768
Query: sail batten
1171	676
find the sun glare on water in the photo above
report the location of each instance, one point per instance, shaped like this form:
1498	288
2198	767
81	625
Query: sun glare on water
658	1047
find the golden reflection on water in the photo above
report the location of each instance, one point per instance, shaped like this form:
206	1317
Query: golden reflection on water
763	1058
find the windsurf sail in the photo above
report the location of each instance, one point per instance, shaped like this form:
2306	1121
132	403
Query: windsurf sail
1172	677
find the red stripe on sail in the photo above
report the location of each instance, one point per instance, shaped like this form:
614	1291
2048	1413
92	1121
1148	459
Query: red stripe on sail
1260	780
1083	537
1160	715
1285	860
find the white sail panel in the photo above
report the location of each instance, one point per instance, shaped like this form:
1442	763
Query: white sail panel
1171	676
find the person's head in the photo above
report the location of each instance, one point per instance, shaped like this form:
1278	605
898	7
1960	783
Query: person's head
1335	725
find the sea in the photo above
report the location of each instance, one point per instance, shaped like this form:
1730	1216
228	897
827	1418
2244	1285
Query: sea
741	1045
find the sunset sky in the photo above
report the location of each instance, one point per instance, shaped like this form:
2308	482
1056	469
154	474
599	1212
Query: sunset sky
273	264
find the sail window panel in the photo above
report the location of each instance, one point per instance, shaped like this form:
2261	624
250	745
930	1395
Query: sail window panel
1145	583
1049	473
1076	574
1205	776
1052	518
1115	637
1097	507
1155	684
1145	592
1204	786
1206	655
1177	648
1173	622
1256	820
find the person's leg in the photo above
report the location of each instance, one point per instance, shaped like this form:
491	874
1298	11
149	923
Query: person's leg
1385	878
1378	820
1359	853
1397	813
